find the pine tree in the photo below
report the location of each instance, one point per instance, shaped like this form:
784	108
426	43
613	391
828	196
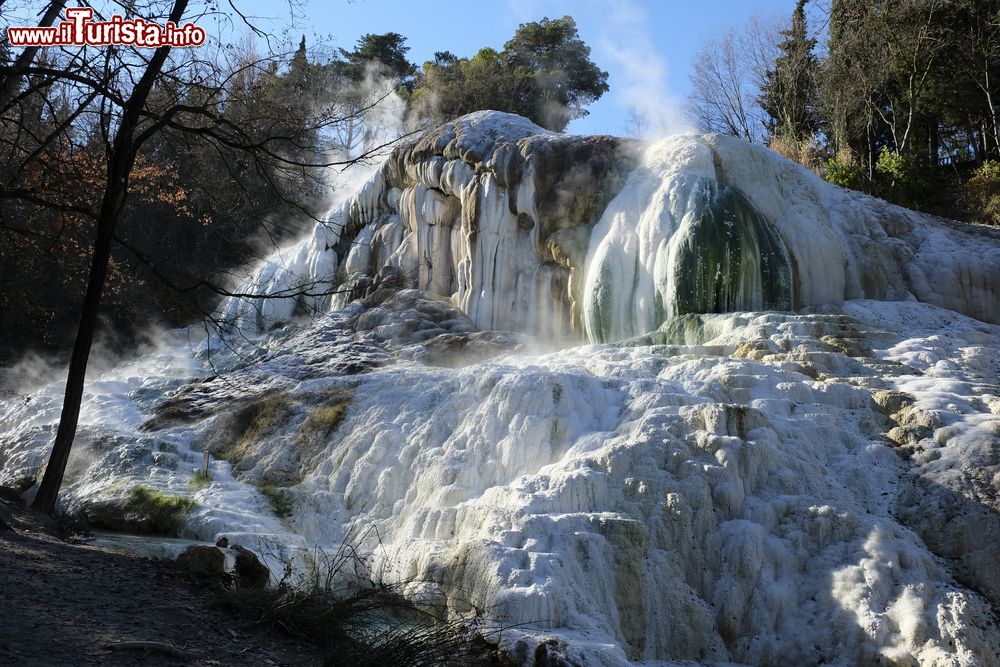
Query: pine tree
789	94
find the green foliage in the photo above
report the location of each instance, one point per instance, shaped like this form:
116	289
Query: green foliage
789	94
155	512
988	171
900	179
843	171
543	73
982	194
280	499
562	77
386	52
892	165
200	480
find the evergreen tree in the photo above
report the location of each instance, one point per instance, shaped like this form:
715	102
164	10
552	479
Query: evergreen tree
789	94
543	73
562	78
386	52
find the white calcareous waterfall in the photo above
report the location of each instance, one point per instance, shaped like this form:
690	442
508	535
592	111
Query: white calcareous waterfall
595	238
679	403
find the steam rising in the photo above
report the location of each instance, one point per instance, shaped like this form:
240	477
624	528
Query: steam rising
654	111
725	494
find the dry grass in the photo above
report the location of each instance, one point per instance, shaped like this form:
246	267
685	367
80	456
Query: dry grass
326	418
236	436
358	622
802	151
200	480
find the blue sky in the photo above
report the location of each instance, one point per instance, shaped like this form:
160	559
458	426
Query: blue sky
645	46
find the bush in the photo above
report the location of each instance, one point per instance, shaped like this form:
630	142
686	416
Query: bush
892	165
842	170
982	194
801	151
900	179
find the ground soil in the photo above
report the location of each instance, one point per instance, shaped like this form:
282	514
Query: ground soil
70	604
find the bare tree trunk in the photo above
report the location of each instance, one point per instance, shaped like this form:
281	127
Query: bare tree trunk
121	159
13	80
45	499
993	113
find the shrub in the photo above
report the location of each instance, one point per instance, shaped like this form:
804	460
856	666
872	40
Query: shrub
902	180
802	151
982	194
892	165
842	170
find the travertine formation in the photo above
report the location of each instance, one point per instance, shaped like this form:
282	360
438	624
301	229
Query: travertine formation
593	238
781	445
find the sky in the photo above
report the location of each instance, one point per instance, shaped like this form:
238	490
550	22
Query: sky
646	46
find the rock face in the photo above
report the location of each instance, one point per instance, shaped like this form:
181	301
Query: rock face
811	485
595	238
490	211
210	562
249	571
713	224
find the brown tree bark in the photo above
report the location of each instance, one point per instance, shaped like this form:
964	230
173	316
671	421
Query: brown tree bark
8	89
120	162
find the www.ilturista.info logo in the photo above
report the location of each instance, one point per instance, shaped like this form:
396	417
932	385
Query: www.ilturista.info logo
79	29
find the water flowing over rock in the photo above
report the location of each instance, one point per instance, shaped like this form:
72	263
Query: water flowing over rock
490	211
683	402
595	238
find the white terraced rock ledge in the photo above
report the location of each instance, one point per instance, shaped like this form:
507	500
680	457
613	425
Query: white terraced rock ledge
673	404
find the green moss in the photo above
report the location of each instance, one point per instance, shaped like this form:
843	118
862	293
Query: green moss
279	498
248	425
200	480
153	511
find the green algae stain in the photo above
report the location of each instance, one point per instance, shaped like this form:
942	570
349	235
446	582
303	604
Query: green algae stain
728	258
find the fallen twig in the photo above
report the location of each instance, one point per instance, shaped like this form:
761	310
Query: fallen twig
161	647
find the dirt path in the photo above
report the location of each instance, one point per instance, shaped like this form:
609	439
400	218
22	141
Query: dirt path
64	604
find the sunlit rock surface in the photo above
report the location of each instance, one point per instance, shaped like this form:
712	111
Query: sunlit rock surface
490	211
596	238
817	485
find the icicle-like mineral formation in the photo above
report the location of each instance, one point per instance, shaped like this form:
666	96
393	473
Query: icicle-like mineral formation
591	237
816	486
490	211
